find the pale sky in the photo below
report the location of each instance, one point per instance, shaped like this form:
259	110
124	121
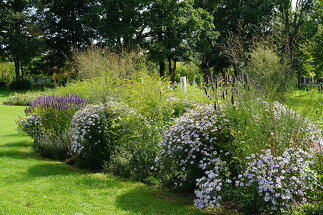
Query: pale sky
293	3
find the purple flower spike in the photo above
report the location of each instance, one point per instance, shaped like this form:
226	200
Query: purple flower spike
57	102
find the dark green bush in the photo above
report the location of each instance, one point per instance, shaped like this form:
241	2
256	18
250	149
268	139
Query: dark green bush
20	85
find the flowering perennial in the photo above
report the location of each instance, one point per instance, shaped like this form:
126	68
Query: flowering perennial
208	193
87	125
57	102
281	180
30	125
189	146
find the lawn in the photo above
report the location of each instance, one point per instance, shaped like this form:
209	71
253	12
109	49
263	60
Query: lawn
307	103
30	184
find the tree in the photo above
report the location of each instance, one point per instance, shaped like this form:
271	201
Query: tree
20	36
119	24
175	29
310	53
236	19
293	20
65	26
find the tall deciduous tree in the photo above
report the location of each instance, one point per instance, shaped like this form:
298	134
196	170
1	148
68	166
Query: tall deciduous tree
20	36
238	18
293	20
119	24
175	29
65	26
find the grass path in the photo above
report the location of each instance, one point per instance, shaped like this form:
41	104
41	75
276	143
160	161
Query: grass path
30	184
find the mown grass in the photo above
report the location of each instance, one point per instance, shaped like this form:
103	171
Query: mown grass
307	103
30	184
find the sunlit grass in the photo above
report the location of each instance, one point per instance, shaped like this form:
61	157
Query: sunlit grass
307	103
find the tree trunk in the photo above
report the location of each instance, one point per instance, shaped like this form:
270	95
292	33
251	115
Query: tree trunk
22	72
17	68
170	72
206	70
162	69
172	69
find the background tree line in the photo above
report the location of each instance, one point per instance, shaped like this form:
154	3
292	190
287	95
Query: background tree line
39	36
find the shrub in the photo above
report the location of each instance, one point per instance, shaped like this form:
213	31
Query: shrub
190	145
22	98
256	124
49	123
30	125
20	85
278	181
95	129
54	144
115	137
148	95
266	70
207	149
55	112
281	180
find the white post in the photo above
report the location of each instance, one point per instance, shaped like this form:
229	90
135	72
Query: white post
183	83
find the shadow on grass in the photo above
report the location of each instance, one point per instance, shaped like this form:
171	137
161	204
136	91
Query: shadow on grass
45	170
15	144
12	150
144	200
5	93
81	178
16	134
13	154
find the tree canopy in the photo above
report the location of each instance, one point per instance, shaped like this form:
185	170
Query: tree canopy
46	32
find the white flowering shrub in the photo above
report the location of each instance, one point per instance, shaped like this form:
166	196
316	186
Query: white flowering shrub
94	130
210	187
30	125
281	181
190	146
206	150
278	181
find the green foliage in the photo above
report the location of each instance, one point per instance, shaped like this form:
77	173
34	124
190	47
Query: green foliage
7	71
20	85
149	97
19	35
311	53
54	120
266	70
256	124
55	145
23	99
309	209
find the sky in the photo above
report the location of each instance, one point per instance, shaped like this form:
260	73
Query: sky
293	3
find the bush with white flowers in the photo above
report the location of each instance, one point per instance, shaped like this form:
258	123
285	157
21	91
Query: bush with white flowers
206	149
283	180
94	131
189	146
30	125
210	187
